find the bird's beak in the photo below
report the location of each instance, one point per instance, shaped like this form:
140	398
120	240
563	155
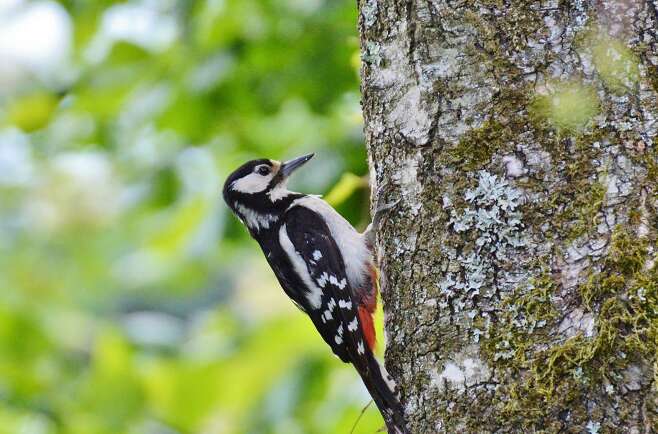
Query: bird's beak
291	165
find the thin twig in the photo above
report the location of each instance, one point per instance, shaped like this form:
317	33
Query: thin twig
363	410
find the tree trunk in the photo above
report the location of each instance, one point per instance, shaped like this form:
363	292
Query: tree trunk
518	268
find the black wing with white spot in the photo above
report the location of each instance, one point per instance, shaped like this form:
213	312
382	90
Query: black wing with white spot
331	306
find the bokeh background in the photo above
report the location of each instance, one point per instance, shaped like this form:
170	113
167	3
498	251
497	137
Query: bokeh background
130	300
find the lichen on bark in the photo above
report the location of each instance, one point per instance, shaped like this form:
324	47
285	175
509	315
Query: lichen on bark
519	267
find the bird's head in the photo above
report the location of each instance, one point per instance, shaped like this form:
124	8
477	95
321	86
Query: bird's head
257	191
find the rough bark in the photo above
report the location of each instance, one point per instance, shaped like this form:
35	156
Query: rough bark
518	270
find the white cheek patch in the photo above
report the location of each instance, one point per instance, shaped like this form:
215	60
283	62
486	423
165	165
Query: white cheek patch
252	183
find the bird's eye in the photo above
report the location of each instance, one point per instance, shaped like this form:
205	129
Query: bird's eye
263	170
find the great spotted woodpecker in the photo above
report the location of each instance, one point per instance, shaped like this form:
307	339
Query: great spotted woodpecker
323	264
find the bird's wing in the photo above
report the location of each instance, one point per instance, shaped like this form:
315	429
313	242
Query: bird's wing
334	307
331	305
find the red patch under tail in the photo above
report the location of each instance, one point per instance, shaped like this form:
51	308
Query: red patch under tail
368	327
368	306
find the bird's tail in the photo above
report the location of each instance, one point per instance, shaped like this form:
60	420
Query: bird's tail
382	389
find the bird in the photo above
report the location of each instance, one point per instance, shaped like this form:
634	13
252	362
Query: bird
324	265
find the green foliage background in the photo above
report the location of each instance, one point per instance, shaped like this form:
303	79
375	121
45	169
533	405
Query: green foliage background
130	300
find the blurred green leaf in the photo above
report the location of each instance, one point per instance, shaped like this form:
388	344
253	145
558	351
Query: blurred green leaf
32	112
125	52
177	231
344	188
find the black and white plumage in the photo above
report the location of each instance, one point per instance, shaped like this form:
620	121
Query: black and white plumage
322	263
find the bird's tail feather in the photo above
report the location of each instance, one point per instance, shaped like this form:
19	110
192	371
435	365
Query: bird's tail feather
382	390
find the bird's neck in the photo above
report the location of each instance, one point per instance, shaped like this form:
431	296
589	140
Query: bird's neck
259	215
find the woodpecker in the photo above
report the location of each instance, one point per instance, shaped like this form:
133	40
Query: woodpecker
322	263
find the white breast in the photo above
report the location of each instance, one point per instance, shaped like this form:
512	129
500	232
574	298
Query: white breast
351	244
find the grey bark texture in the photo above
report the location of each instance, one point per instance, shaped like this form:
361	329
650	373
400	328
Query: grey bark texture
518	269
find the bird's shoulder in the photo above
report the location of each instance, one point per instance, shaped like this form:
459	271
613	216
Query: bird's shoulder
314	207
